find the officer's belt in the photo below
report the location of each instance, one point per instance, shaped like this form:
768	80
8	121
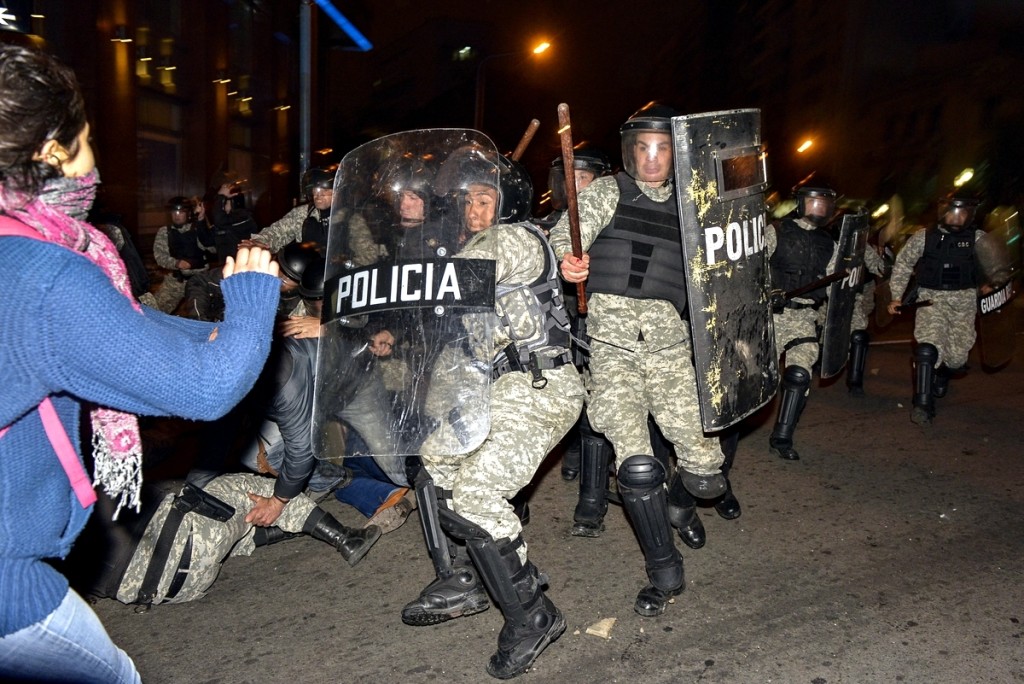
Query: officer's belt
534	363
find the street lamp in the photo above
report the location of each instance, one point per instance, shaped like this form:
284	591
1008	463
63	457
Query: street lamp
478	111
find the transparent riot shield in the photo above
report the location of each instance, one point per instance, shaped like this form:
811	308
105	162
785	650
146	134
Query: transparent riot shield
405	342
842	294
721	177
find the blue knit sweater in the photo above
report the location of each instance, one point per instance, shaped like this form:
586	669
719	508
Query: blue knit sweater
67	333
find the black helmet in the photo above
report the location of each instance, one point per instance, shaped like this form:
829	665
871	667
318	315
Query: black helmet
584	158
413	174
295	257
653	117
962	203
815	187
312	284
475	164
179	203
316	178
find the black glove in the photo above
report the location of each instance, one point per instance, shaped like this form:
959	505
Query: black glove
778	301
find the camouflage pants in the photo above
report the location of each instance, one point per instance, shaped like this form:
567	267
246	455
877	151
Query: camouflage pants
863	305
948	323
526	423
627	385
170	294
212	541
797	324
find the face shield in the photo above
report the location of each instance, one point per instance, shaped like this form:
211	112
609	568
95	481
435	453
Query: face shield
647	151
956	213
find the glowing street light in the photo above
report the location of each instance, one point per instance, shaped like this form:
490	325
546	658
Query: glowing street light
965	175
804	146
478	111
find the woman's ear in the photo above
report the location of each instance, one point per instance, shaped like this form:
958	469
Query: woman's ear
52	153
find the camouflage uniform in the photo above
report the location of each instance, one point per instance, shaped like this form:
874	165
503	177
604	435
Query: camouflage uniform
173	288
212	541
948	323
865	301
363	248
526	422
633	376
798	324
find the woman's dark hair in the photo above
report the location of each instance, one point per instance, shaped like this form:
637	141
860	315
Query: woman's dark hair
39	100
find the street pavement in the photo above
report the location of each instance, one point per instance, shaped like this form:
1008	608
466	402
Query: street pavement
888	553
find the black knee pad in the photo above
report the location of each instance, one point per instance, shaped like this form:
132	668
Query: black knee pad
926	353
641	472
796	378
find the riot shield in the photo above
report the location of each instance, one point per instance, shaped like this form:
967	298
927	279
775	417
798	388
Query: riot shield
842	294
721	177
999	258
405	343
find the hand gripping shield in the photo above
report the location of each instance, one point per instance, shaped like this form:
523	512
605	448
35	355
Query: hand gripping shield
406	342
721	177
842	294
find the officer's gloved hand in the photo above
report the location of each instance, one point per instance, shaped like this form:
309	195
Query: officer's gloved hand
778	301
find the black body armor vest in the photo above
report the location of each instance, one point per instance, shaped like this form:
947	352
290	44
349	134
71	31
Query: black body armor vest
640	253
315	227
184	245
801	257
948	261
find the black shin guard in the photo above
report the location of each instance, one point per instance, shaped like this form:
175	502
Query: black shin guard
457	590
641	484
924	367
588	518
859	341
531	620
795	383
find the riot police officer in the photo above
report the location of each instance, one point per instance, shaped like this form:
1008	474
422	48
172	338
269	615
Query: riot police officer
801	253
311	222
641	360
942	258
474	537
183	247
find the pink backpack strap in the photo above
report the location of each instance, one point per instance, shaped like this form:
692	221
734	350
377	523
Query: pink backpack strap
55	431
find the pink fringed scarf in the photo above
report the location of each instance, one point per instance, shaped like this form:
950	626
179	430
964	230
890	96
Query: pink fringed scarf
58	215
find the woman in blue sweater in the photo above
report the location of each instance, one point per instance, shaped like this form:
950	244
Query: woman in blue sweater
73	337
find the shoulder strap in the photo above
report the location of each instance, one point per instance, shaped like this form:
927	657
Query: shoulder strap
55	431
15	228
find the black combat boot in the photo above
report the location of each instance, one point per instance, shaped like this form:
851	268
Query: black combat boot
728	506
457	590
641	484
532	621
265	536
682	514
795	383
351	543
588	518
924	368
859	340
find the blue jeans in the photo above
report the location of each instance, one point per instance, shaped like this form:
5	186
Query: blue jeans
68	645
370	486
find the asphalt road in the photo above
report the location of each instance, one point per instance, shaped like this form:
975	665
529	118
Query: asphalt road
888	553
